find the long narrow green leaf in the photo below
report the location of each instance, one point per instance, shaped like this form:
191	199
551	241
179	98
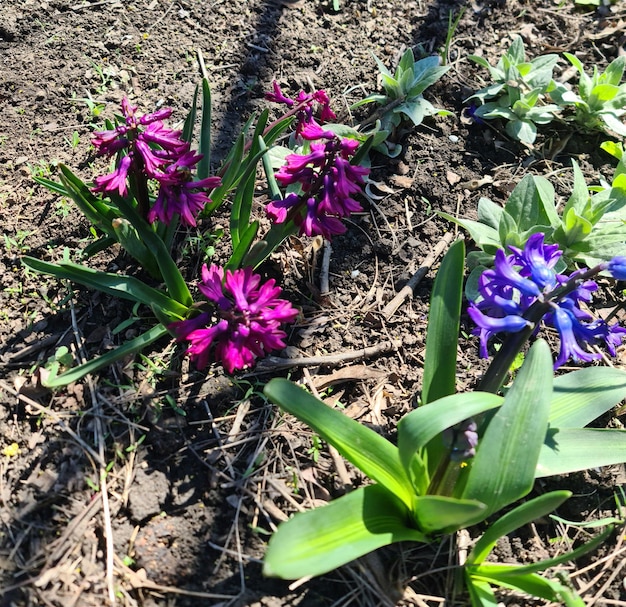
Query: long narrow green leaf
516	518
272	184
174	281
443	326
320	540
581	396
481	594
243	246
418	428
129	348
531	583
262	249
125	287
233	166
190	121
204	166
503	469
571	449
544	564
367	450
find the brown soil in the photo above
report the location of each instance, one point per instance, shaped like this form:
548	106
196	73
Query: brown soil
195	490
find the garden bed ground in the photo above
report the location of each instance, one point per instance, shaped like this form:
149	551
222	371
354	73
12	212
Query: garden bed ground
197	482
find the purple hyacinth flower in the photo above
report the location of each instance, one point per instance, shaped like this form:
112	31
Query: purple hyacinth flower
328	182
278	96
564	321
461	440
248	313
617	267
178	195
117	180
527	276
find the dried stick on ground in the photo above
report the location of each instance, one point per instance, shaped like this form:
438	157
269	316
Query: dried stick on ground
273	363
390	309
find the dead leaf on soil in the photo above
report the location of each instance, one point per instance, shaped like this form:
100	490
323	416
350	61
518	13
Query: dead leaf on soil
351	373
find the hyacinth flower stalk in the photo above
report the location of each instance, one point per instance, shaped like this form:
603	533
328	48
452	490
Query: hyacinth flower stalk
244	324
523	291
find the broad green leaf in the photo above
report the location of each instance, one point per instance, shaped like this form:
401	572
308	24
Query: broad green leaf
527	202
443	326
516	518
522	130
125	287
128	349
442	514
514	436
320	540
580	194
367	450
581	396
571	449
414	109
489	212
482	234
614	124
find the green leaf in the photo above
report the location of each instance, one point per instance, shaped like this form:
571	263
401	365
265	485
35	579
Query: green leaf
318	541
367	450
190	121
516	518
204	147
527	203
443	326
483	235
128	349
572	449
481	594
443	514
514	436
174	281
243	247
530	583
125	287
489	212
581	396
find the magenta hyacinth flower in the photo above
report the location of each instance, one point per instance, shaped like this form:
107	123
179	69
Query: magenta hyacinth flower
246	323
526	276
328	182
178	194
137	137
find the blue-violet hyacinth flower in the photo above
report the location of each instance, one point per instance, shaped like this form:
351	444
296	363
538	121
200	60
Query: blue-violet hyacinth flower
526	276
246	322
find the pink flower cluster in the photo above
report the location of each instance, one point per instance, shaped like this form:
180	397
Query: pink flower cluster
147	149
326	178
246	322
